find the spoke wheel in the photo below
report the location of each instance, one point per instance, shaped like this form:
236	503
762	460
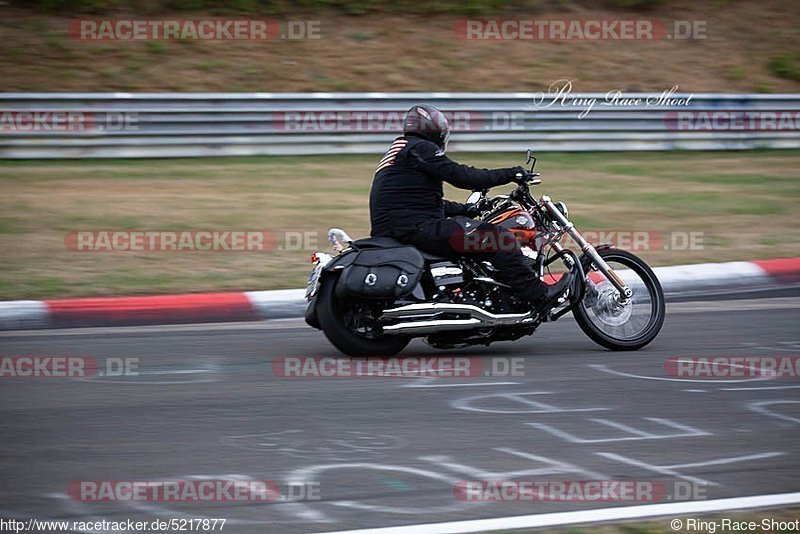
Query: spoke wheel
620	324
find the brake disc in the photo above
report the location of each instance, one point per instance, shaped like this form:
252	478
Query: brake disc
607	307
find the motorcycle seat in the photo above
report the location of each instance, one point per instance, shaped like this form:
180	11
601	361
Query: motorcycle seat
433	258
377	242
388	242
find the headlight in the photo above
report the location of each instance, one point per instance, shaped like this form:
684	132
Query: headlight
560	206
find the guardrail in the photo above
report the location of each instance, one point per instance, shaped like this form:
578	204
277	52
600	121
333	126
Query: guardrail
137	125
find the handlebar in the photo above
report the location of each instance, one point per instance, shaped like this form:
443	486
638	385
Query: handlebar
522	194
524	180
532	178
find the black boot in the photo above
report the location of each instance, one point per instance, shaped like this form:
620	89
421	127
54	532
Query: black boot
543	296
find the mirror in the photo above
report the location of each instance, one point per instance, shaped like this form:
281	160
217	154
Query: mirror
528	156
474	197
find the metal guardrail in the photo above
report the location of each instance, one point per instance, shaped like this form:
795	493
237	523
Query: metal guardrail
242	124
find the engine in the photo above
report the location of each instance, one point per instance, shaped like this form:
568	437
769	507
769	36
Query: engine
477	285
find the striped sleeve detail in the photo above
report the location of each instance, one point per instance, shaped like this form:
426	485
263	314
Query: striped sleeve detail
391	154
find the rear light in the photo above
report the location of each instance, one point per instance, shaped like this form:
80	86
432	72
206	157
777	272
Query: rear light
314	258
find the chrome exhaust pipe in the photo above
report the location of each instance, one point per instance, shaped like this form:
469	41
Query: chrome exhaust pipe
431	309
427	323
426	327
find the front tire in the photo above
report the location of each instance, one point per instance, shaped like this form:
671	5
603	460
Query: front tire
339	320
611	325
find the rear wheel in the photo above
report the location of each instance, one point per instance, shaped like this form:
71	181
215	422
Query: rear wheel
622	325
350	326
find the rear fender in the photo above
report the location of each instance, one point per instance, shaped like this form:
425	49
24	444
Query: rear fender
340	262
328	275
311	313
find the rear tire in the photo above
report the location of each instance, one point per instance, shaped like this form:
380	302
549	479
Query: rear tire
656	294
332	314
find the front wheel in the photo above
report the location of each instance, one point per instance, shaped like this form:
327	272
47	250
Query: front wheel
350	325
618	325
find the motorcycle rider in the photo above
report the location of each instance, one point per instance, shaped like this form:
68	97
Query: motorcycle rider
406	204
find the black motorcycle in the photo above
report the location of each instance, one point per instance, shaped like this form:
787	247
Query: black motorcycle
373	295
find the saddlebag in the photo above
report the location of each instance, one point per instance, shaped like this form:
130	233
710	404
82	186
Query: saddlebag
381	273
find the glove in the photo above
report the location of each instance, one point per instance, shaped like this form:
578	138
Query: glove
473	210
521	175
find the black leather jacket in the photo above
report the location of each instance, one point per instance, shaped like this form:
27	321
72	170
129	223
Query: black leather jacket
407	188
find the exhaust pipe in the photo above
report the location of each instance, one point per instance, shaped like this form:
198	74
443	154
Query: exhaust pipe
425	327
427	323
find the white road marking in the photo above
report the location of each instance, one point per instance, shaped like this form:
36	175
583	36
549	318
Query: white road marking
297	509
605	369
552	467
636	434
759	407
591	475
672	470
759	388
793	346
520	398
312	473
620	513
471	384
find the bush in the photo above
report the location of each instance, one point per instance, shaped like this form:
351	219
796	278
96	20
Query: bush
785	67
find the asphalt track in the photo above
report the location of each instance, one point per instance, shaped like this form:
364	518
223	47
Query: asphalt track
388	451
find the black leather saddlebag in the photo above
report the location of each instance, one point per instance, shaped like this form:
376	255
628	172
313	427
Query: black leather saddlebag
381	273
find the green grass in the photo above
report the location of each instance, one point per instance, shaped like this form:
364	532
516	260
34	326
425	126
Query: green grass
745	203
155	48
351	7
785	66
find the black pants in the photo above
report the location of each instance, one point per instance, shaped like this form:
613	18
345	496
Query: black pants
451	238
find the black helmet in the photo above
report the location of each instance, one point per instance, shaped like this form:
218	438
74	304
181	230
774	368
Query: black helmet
429	123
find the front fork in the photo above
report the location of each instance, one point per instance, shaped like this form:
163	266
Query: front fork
625	292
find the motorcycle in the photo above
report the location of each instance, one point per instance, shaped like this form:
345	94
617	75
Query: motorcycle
371	296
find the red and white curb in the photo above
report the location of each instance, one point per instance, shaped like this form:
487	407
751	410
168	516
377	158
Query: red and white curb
285	303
